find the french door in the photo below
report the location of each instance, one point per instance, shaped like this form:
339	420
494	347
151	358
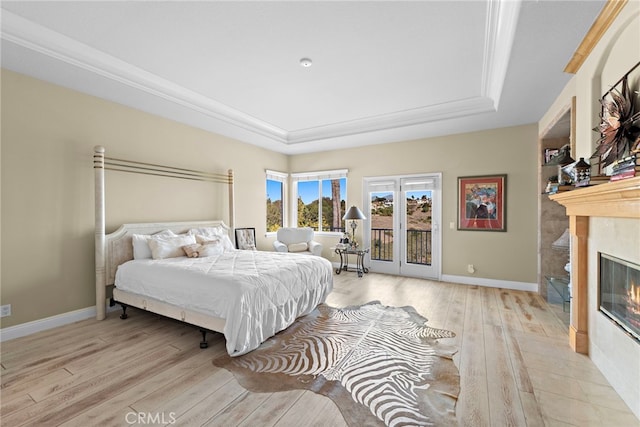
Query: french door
402	228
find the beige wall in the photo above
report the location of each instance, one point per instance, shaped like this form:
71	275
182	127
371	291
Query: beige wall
509	256
48	135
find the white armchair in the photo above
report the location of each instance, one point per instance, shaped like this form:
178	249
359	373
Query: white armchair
300	240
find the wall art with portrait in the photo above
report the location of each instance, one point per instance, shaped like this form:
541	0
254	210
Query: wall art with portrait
482	203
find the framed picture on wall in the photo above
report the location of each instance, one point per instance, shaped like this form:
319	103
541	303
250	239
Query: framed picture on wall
246	239
482	203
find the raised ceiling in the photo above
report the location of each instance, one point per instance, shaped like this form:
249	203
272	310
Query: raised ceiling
382	71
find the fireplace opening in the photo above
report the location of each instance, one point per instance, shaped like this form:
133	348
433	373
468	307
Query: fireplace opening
619	293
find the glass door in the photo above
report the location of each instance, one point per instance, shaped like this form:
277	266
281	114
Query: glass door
402	226
419	227
381	226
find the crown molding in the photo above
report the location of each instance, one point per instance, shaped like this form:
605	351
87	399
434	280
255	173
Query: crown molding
602	23
417	116
30	35
501	23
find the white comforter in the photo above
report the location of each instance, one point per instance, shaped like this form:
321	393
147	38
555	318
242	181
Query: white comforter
257	293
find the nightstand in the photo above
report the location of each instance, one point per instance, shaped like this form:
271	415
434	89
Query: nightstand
344	259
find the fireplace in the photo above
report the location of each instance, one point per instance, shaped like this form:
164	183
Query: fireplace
604	219
619	293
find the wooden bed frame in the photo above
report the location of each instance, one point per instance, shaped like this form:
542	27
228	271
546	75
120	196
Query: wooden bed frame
116	248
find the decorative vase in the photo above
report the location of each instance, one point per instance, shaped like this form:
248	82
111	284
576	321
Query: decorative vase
582	173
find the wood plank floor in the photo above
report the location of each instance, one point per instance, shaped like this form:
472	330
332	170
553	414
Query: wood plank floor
515	365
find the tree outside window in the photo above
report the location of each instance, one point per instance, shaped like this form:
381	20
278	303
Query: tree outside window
322	213
275	204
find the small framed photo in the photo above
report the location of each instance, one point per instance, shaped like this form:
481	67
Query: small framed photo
482	203
550	153
246	239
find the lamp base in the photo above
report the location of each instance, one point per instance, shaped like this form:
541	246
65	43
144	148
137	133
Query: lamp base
354	225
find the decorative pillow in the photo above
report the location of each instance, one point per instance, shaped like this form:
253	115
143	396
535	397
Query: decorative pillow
210	248
298	247
169	247
208	239
191	250
211	237
141	249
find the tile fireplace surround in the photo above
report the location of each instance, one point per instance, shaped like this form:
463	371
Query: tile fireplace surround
603	218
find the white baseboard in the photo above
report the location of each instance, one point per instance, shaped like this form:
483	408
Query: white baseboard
491	283
479	281
29	328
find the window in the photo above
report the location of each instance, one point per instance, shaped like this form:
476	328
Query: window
320	198
275	200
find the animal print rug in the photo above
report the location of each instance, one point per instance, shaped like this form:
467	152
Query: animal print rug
380	365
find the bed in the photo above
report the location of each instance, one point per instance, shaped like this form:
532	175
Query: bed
247	295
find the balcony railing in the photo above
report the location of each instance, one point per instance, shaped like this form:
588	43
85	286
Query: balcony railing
418	245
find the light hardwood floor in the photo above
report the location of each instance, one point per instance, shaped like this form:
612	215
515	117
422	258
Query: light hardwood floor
515	365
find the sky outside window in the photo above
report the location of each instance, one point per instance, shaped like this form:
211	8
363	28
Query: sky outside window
274	190
308	190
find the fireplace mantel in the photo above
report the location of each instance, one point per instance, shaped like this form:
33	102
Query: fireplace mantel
620	199
613	199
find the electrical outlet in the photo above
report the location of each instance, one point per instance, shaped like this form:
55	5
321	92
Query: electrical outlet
471	269
5	310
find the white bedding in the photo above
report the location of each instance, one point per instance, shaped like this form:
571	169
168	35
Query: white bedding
257	293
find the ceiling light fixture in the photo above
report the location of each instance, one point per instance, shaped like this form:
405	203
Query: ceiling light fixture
306	62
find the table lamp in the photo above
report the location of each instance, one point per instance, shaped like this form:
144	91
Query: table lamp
354	214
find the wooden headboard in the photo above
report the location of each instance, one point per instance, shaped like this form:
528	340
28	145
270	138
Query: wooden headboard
116	248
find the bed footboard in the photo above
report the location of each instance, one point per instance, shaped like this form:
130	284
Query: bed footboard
205	322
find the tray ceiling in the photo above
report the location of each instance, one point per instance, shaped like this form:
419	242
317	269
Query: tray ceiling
381	71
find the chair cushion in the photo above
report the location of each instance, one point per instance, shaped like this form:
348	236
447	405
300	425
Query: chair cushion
288	235
298	247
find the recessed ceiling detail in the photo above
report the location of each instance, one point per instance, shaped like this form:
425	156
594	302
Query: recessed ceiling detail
366	91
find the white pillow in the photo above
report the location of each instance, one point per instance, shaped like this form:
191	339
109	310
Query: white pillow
298	247
169	247
209	233
211	249
141	249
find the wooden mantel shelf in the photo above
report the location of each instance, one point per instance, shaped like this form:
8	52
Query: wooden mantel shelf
613	199
620	199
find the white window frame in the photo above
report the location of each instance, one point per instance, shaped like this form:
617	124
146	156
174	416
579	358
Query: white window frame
284	179
314	176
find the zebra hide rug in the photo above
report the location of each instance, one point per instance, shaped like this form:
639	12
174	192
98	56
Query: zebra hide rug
380	365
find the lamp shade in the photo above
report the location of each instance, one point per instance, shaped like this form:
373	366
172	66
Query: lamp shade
354	213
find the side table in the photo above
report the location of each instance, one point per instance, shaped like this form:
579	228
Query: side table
344	259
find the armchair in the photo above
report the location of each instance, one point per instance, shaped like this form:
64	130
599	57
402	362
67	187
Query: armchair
300	240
